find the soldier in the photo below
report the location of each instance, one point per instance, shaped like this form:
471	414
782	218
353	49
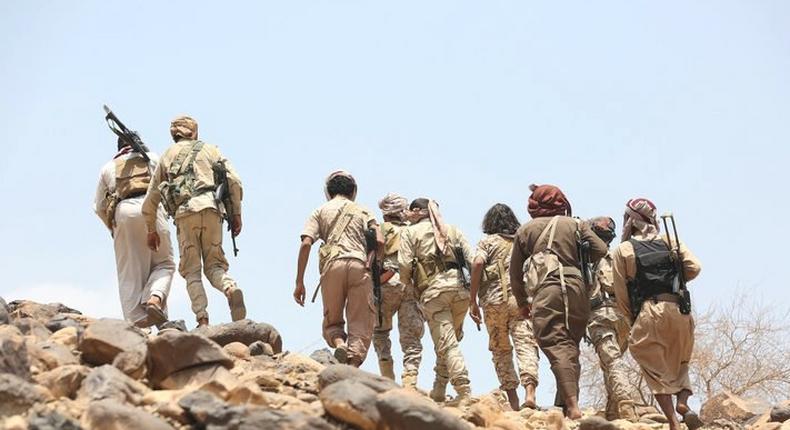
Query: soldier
184	183
662	338
346	287
558	299
491	282
608	331
428	261
397	298
144	277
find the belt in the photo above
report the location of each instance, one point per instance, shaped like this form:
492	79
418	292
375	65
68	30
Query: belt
138	194
665	297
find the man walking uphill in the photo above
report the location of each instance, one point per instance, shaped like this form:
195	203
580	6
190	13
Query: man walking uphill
560	305
346	286
184	181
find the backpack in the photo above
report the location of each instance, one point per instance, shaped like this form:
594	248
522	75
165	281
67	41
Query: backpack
132	176
179	187
329	250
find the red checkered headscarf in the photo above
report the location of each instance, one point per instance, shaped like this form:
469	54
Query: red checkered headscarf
640	216
548	200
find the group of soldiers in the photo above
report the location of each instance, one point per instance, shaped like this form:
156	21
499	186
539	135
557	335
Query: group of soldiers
544	285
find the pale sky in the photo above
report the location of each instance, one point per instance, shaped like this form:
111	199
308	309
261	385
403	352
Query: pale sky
467	102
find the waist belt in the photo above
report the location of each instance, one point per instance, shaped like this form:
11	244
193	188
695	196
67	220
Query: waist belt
599	301
133	195
665	297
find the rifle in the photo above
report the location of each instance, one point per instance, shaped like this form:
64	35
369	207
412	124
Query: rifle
222	196
129	137
463	270
679	284
375	269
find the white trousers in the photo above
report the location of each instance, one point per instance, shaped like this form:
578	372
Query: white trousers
141	272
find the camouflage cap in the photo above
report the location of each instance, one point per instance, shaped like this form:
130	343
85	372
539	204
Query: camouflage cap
185	127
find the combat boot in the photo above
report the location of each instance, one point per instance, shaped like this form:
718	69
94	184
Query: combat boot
463	399
386	369
409	380
236	303
439	391
627	410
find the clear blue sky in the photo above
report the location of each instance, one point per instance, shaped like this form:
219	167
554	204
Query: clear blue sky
468	102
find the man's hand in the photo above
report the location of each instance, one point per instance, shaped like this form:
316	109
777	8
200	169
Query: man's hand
153	241
236	227
299	293
474	311
526	311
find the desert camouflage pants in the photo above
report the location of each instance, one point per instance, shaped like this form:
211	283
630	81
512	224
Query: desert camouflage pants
445	314
505	323
396	299
200	244
608	332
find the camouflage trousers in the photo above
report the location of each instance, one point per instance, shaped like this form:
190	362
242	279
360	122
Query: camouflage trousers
397	299
445	314
505	323
608	331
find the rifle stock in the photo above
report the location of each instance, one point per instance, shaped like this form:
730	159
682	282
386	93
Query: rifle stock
129	137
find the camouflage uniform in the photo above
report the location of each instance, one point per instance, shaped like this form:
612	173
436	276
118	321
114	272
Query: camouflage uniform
608	331
502	317
398	298
444	301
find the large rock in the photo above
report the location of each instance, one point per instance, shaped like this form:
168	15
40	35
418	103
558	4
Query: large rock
596	423
728	406
61	321
48	355
352	402
4	318
405	410
339	372
33	328
51	420
67	336
107	382
204	410
105	339
722	424
112	415
485	412
173	351
14	358
780	414
18	395
283	420
64	381
244	331
324	356
198	376
38	311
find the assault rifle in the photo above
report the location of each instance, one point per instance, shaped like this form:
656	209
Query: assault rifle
679	284
129	137
584	258
372	245
222	196
463	270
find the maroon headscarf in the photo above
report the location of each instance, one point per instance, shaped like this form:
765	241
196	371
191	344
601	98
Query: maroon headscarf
548	200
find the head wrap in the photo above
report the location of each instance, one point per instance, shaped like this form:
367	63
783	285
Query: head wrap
335	174
640	216
437	222
604	227
548	200
185	127
393	205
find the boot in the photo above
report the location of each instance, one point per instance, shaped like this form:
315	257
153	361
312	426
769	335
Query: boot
202	322
463	399
409	380
439	391
236	303
627	411
386	369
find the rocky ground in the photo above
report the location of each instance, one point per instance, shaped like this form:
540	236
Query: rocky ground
63	370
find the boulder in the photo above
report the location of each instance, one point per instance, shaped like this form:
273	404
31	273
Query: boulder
780	413
173	351
61	321
237	350
485	412
33	328
67	336
14	358
132	363
261	348
48	355
352	402
244	331
63	381
339	372
165	403
38	311
722	424
283	420
405	410
51	420
4	311
18	395
204	409
179	325
199	375
112	415
728	406
106	338
107	382
596	423
767	426
324	356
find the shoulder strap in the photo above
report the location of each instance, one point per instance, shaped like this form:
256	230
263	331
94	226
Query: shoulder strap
340	223
550	229
180	164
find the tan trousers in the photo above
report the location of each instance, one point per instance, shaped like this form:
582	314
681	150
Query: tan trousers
445	314
346	288
200	245
396	299
505	323
558	343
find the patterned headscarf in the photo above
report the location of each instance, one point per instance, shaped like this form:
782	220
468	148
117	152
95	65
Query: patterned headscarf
185	127
335	174
640	216
393	205
604	227
437	222
548	200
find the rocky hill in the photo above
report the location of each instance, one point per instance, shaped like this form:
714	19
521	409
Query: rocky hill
63	370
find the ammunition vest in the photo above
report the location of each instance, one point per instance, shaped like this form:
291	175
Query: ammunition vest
497	270
426	267
391	235
656	273
179	187
132	176
329	250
